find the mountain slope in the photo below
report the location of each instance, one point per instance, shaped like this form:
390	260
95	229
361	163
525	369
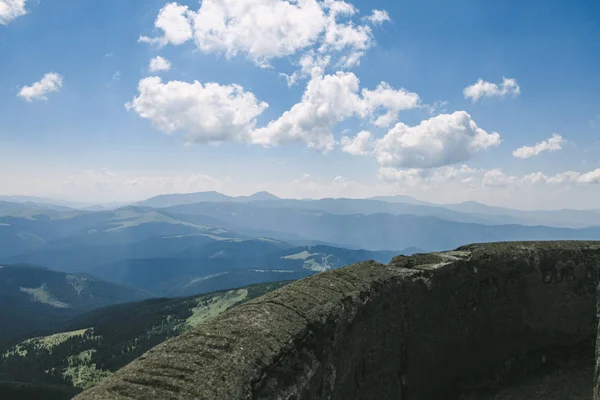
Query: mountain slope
236	267
374	231
80	243
227	264
169	200
97	343
36	299
88	256
559	218
14	240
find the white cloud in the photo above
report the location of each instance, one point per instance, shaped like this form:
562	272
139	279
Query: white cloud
209	113
420	177
438	107
308	62
360	145
554	143
317	187
442	140
587	177
116	76
393	101
487	89
379	17
269	29
11	9
340	36
159	63
175	22
98	185
262	29
216	113
497	178
51	82
482	178
328	100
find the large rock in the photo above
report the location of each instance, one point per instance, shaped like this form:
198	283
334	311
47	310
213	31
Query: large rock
433	326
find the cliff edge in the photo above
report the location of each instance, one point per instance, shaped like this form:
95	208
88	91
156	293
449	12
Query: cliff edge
430	326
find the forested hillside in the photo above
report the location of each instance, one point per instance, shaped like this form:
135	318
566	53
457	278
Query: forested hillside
91	346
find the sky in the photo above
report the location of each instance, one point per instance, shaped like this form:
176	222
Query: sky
445	101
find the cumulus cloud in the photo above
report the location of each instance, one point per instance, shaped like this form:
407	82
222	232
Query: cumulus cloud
340	36
159	63
379	17
389	99
482	89
586	177
102	184
175	22
328	100
438	107
209	113
215	113
262	29
496	178
268	29
309	186
11	9
308	62
554	143
51	82
483	178
361	144
442	140
420	176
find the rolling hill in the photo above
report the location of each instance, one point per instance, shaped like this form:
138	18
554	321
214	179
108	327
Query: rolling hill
36	300
228	264
374	232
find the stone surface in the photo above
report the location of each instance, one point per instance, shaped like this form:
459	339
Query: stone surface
436	326
563	384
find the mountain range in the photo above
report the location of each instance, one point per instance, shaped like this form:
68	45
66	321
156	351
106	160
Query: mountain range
72	274
185	244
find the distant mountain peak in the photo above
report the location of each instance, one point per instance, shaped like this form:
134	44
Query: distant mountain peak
262	195
175	199
400	198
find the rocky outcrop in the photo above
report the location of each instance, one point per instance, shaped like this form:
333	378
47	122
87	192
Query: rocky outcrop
432	326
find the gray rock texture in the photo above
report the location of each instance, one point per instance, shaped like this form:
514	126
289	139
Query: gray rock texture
431	326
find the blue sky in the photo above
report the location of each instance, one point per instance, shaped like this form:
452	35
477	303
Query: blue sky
80	141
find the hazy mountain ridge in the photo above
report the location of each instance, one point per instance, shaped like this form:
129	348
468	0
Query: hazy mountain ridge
168	200
78	242
139	251
469	211
374	232
218	271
